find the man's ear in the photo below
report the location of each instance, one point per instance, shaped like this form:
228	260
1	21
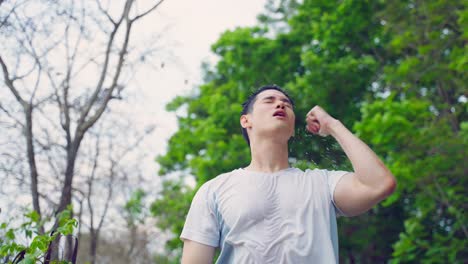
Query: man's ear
244	121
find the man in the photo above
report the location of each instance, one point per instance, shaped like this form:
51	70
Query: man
268	212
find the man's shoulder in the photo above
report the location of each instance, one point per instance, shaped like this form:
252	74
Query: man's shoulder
227	175
220	179
313	171
314	174
319	171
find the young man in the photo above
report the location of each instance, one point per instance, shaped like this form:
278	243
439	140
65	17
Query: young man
268	212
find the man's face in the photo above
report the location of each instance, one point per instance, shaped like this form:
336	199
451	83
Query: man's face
272	115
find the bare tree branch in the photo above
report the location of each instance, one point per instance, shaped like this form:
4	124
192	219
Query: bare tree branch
9	83
103	74
16	120
90	183
86	125
27	73
105	12
5	19
147	12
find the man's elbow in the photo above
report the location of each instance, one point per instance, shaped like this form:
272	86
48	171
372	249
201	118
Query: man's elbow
389	186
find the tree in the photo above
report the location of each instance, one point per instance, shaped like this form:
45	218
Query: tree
62	64
107	175
420	128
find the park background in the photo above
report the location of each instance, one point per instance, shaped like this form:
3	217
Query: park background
120	110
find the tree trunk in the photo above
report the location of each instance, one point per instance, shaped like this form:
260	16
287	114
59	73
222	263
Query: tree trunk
32	161
66	195
94	236
65	199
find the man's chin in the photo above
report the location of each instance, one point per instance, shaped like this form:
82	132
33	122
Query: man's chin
279	134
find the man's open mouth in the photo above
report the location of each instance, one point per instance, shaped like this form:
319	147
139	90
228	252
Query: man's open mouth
280	113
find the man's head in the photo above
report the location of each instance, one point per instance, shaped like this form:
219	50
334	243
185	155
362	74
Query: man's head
268	109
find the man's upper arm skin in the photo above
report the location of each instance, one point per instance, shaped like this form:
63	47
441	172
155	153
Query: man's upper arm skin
197	253
354	198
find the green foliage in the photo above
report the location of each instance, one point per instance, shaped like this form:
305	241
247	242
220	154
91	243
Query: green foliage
39	243
419	129
394	71
135	209
425	155
170	208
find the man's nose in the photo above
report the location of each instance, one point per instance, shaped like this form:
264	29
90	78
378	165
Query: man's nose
280	105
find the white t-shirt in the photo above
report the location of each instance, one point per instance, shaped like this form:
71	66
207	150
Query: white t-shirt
283	217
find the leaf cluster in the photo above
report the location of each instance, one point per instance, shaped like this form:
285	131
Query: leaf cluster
35	250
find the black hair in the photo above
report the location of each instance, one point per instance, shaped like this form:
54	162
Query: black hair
247	106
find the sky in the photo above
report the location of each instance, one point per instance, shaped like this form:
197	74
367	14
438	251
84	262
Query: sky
189	29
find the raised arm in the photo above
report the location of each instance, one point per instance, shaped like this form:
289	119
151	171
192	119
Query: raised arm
197	253
371	181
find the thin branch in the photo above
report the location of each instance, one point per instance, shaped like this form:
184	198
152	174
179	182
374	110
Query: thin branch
31	49
147	12
109	194
83	127
90	182
105	13
80	214
47	117
48	199
9	83
72	60
43	100
11	116
36	85
4	22
52	165
28	72
98	88
65	107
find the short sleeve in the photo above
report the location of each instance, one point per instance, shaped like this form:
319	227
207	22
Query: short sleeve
201	224
333	177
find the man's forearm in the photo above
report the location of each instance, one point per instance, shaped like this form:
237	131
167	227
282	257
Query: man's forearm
368	168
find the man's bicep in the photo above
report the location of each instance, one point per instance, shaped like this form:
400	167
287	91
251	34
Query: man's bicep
194	252
352	197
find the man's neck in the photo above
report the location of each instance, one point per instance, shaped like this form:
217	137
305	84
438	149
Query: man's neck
268	156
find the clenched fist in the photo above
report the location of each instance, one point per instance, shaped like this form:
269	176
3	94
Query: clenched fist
319	122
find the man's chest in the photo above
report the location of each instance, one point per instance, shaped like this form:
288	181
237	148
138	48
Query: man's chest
256	201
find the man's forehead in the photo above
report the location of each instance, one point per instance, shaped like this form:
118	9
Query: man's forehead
270	93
